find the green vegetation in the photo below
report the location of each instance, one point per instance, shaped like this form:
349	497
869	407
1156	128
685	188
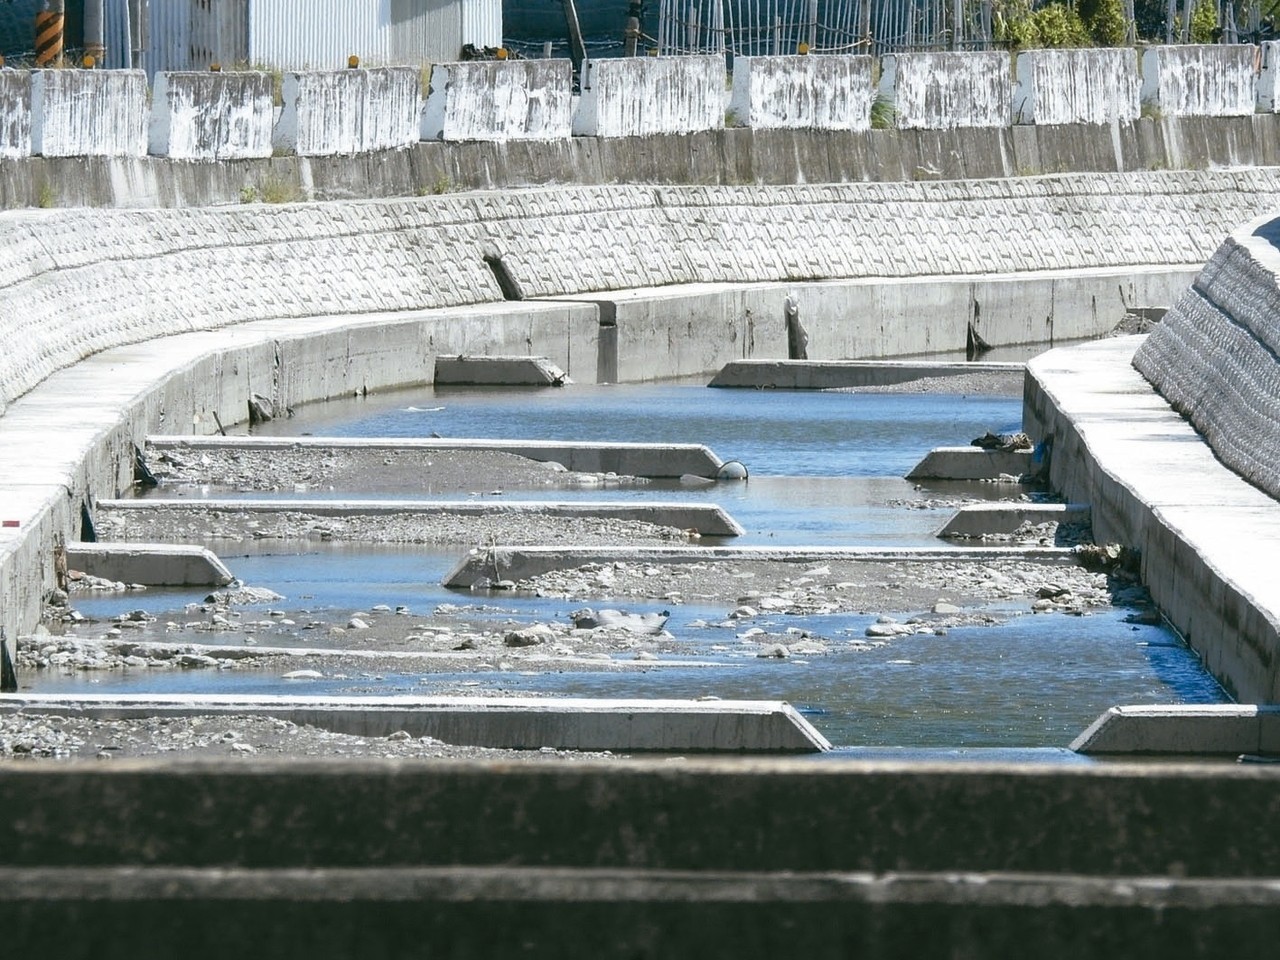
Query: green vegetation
883	114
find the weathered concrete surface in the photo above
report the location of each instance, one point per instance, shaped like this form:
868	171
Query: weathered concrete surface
708	519
976	519
211	116
346	112
837	374
727	157
1077	86
151	564
1216	729
480	567
1208	538
624	459
516	723
973	463
1214	80
499	371
499	100
641	96
89	113
942	91
1269	76
817	92
756	858
15	114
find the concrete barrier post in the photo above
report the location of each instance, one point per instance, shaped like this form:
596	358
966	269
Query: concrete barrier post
211	116
647	95
89	113
1201	80
499	100
349	111
817	92
942	91
1077	86
15	114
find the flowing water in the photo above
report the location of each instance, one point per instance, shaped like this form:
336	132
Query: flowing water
826	469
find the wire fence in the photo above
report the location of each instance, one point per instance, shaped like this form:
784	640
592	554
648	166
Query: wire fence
775	27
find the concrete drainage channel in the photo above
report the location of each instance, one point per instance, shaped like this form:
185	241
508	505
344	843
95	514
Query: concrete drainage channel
853	637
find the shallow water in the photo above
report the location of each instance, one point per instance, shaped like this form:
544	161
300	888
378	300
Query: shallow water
826	469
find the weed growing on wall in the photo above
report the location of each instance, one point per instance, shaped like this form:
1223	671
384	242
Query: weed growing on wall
884	116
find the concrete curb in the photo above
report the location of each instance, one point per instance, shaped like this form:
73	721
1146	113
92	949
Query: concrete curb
472	371
652	460
836	374
1212	729
707	519
976	519
151	564
477	569
666	726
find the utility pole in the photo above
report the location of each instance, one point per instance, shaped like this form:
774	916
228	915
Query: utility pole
94	36
631	36
49	28
139	14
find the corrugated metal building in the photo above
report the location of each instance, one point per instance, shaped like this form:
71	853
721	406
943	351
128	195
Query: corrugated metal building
304	34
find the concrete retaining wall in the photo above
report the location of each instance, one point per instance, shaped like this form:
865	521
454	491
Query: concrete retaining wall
211	116
940	91
15	114
1210	80
817	92
1269	77
641	96
349	111
89	113
499	100
1077	86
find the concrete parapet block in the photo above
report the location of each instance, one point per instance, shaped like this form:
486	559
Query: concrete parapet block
89	113
211	116
1183	729
1269	77
343	112
667	726
817	92
499	371
1077	86
499	100
973	463
1200	80
15	114
150	564
640	96
941	91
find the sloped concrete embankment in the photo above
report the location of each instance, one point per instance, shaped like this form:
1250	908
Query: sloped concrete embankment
1196	495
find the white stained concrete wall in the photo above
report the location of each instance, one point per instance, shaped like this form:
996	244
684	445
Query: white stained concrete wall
212	116
1077	86
940	91
1270	75
638	96
15	114
500	100
89	113
822	92
349	111
1203	80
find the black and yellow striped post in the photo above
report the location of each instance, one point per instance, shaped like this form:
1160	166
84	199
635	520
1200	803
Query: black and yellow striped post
49	24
